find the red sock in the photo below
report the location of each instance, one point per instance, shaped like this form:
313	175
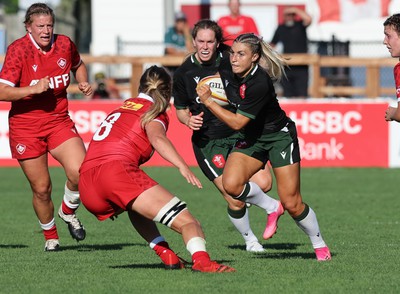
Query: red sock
200	256
66	209
51	234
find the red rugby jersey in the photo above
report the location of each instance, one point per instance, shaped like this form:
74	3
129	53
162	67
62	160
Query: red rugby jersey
121	136
25	64
233	27
396	71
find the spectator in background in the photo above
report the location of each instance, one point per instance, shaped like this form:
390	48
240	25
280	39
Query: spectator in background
292	34
392	42
100	91
235	23
106	88
178	39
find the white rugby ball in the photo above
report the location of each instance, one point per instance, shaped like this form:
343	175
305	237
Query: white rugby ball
217	89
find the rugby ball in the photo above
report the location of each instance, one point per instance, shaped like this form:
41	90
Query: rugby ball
217	89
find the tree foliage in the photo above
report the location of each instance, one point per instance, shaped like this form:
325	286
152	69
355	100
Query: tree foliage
10	6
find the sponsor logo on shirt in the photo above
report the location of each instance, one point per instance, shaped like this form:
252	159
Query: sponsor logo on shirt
241	144
131	105
56	82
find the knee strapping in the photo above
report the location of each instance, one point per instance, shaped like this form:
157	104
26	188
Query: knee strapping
170	211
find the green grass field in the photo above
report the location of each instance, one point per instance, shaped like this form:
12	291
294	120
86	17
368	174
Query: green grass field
358	212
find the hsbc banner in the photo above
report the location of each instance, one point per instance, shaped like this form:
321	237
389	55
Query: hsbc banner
332	133
341	134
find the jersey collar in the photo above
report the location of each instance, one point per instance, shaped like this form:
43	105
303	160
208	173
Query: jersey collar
36	45
145	96
197	62
250	74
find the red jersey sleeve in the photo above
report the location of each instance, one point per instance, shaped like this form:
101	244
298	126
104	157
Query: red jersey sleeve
12	67
75	57
397	80
164	120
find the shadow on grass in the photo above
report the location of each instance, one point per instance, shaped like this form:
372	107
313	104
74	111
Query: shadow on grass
187	265
285	255
12	246
96	247
277	246
139	266
269	254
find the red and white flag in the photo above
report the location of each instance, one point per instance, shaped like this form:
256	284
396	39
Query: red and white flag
351	10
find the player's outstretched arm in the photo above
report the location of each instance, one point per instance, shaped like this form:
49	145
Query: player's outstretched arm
158	139
193	122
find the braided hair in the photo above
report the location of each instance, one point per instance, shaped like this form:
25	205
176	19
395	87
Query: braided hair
157	83
37	9
269	59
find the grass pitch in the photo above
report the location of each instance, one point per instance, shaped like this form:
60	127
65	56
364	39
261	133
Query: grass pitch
358	212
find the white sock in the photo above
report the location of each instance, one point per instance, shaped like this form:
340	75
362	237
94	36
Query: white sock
310	226
257	197
71	198
243	226
48	226
196	244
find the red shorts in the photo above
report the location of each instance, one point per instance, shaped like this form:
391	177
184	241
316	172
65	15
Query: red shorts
108	188
33	137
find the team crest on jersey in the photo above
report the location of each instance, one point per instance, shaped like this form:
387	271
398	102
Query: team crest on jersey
62	63
398	92
242	91
219	160
20	148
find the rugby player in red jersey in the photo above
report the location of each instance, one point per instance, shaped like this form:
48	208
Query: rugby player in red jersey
111	180
34	78
392	42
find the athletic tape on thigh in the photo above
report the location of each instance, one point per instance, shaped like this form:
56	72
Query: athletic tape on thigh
170	211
